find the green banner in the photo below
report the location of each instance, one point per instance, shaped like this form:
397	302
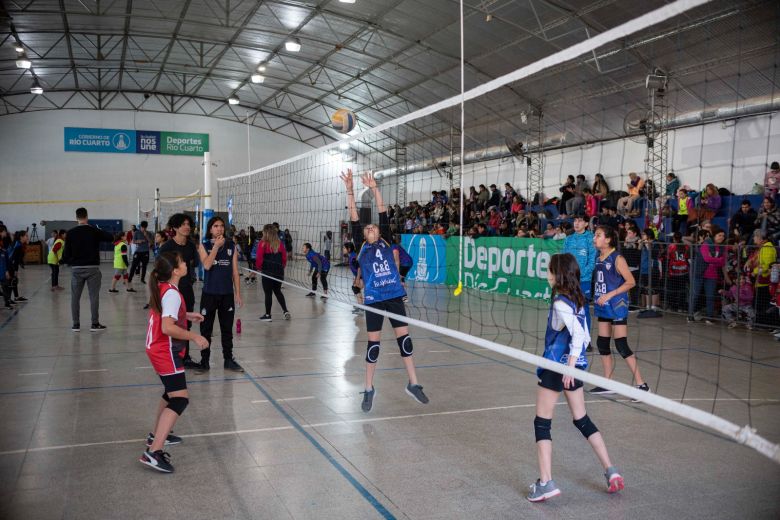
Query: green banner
180	143
516	266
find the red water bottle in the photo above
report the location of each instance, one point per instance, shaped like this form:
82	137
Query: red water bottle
238	326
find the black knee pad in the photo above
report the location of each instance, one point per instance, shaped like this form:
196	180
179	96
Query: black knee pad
585	426
542	429
621	344
166	398
602	342
178	404
372	352
405	345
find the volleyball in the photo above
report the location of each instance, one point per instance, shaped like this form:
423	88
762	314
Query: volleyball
343	120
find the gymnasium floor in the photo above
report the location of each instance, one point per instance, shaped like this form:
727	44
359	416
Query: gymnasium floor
288	440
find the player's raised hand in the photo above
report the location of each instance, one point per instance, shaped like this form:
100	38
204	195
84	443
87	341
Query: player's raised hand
347	178
368	179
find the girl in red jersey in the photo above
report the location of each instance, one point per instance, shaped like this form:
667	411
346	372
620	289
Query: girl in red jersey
166	339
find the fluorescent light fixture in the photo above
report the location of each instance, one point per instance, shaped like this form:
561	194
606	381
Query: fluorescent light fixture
261	68
344	146
36	89
347	1
18	47
293	45
23	63
233	100
257	78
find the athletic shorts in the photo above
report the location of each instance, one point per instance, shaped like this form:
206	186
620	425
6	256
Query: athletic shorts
624	321
404	269
374	321
554	381
174	382
120	272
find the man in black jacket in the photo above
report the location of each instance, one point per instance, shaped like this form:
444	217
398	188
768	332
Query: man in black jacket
82	253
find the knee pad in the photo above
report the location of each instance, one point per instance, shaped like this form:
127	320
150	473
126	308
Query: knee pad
166	398
542	429
602	342
621	344
178	404
372	352
405	345
585	426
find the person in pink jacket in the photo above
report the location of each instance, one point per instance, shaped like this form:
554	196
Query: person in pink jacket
714	255
741	297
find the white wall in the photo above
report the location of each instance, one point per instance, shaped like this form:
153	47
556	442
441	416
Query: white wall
34	166
732	155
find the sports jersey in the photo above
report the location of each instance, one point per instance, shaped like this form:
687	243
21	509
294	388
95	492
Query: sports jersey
165	352
381	276
607	279
219	279
567	333
404	259
677	260
318	261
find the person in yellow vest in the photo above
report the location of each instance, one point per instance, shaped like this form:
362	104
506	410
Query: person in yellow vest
684	207
54	259
760	267
120	263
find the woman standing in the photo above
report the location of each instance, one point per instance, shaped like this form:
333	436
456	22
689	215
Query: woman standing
271	259
221	291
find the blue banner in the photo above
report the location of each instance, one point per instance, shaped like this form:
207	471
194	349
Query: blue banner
99	140
147	141
429	255
230	210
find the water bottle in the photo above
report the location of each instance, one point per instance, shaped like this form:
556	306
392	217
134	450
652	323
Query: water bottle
774	274
238	326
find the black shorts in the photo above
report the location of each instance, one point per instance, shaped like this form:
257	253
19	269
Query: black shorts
404	270
374	321
174	382
554	381
613	322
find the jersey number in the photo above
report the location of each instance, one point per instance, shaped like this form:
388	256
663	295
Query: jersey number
601	287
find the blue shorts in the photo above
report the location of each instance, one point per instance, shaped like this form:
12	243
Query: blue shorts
615	309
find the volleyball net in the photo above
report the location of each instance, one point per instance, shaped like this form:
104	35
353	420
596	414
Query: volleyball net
479	244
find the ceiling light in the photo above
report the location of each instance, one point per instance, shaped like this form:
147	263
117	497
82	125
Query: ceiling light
19	48
36	89
233	100
257	78
23	63
293	45
261	68
347	1
344	146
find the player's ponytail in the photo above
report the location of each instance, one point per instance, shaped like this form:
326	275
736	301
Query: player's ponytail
162	272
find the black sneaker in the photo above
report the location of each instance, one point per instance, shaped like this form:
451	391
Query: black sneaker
323	298
11	307
171	440
95	327
368	399
159	460
287	316
642	387
130	289
76	327
113	290
311	295
265	317
21	299
188	362
601	391
202	367
589	349
416	391
146	306
230	364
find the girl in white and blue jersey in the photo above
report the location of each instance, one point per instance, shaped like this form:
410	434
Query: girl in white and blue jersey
382	289
565	341
612	280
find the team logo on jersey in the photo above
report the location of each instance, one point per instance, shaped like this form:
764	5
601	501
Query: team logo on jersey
229	252
608	266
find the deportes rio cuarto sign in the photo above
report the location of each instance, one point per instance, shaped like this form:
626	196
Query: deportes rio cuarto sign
515	266
108	140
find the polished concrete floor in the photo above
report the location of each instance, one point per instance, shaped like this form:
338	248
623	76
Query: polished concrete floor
288	440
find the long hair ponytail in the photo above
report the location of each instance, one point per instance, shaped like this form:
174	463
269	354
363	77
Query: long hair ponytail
162	272
271	237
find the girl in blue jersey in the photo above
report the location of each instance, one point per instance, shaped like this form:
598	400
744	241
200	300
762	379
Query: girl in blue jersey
382	289
357	282
565	342
320	266
612	280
